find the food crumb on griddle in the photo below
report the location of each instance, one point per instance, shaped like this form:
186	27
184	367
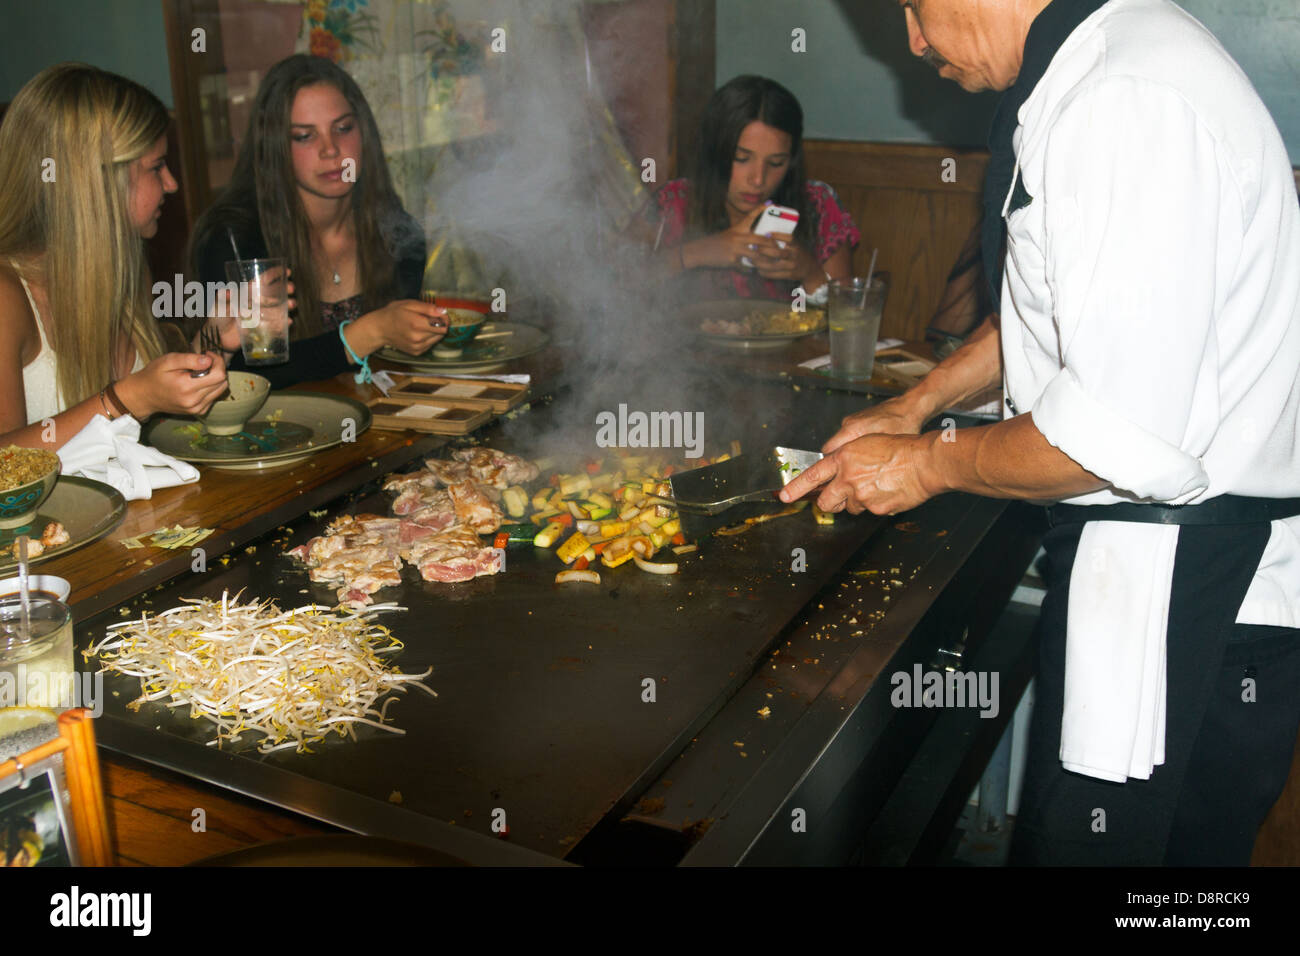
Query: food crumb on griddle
395	797
651	805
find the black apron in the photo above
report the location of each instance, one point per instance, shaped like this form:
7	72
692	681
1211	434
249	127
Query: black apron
1226	758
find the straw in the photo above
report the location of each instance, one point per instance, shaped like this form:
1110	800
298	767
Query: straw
24	598
871	270
231	233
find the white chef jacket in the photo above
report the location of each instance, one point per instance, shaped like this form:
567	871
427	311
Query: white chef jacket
1151	326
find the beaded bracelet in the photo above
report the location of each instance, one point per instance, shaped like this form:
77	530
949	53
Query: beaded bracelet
362	376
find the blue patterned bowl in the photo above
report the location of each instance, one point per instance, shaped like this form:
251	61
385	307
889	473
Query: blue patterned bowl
18	505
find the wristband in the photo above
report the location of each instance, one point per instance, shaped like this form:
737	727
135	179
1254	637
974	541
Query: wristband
116	400
103	403
364	375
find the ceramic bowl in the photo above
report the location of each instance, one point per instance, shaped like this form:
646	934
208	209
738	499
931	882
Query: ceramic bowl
40	585
18	505
247	395
462	326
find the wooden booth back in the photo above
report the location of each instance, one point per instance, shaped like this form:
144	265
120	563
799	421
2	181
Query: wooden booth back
917	204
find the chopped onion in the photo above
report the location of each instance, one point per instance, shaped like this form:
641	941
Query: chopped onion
293	676
654	567
581	577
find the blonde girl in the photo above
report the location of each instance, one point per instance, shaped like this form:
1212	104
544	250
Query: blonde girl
83	175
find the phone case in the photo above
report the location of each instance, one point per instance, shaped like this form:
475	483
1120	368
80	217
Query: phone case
777	221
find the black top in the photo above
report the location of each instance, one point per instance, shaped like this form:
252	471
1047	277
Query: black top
321	356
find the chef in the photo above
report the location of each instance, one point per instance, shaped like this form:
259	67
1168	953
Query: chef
1143	237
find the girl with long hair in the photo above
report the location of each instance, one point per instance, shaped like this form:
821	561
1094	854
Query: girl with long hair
83	175
750	155
311	186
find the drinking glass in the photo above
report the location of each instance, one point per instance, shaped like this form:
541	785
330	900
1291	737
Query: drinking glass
37	667
853	315
263	309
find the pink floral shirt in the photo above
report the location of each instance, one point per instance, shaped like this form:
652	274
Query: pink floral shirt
835	228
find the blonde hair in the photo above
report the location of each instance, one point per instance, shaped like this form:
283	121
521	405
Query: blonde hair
67	144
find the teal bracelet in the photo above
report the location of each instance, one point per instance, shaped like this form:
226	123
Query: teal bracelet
362	376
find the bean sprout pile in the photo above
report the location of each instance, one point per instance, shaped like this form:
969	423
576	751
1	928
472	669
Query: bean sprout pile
292	676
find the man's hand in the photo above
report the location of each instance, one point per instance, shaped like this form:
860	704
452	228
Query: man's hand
897	416
886	474
883	474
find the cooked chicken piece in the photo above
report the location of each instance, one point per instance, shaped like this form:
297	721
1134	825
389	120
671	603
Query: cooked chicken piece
445	544
418	497
455	555
54	535
474	508
358	589
34	548
447	472
498	469
352	563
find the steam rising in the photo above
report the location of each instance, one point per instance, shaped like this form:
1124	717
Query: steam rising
540	203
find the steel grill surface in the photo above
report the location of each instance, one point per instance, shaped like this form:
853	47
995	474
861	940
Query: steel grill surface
540	710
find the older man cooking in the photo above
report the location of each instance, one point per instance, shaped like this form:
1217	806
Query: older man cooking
1142	237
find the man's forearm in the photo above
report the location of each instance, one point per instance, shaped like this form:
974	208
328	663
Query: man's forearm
975	366
1011	459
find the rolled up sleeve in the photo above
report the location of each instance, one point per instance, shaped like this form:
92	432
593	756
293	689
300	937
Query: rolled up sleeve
1132	197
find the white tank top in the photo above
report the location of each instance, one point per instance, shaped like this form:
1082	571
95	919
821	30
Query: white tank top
41	377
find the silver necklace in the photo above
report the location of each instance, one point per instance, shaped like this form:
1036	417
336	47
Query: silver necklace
336	278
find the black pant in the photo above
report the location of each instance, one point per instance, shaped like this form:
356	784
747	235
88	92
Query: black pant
1226	757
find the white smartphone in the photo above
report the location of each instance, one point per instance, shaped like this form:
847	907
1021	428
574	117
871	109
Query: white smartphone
773	221
777	221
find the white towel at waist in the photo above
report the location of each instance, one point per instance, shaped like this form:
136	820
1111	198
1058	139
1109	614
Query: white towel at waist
1113	722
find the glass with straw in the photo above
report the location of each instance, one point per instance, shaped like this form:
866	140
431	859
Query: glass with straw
262	305
37	667
854	308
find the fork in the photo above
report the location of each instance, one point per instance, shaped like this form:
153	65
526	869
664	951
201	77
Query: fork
209	341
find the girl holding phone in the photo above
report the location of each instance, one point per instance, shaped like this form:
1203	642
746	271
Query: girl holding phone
750	156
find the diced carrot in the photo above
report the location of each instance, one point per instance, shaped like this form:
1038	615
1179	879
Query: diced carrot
593	466
599	546
501	540
679	538
566	520
580	564
554	480
669	470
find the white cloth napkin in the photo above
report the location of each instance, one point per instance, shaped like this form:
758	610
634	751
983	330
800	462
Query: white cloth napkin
111	452
1113	723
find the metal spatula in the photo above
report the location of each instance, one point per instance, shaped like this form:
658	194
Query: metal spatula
715	488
